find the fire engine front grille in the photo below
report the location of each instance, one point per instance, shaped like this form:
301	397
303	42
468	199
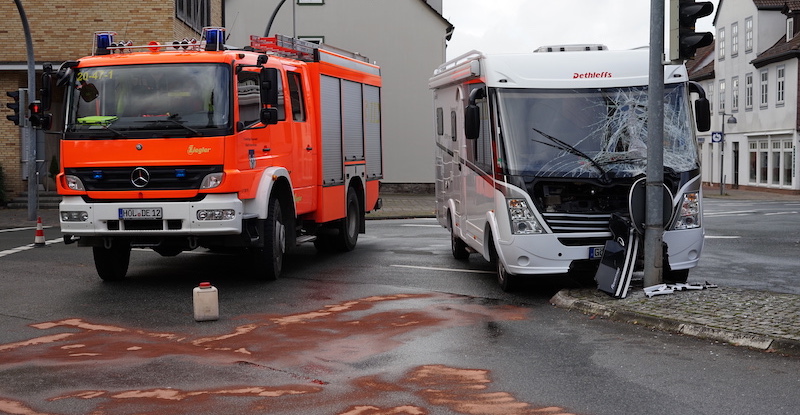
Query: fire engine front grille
577	222
142	178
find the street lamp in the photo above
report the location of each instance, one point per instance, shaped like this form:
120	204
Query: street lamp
731	120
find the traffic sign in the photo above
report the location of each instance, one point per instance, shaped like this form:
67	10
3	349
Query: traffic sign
716	137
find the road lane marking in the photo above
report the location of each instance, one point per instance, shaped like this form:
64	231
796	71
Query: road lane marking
722	237
474	271
27	247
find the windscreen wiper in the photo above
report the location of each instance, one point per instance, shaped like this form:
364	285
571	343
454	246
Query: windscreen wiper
173	119
561	145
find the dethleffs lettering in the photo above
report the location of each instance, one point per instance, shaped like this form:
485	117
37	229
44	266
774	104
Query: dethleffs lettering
591	75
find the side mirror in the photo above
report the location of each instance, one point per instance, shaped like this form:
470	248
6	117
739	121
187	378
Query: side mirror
702	114
268	116
46	92
472	122
268	78
472	114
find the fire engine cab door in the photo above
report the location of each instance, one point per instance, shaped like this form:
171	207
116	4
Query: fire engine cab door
304	148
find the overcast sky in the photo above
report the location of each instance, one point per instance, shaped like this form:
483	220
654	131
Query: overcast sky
524	25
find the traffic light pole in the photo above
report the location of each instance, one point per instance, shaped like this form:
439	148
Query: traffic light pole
654	215
33	185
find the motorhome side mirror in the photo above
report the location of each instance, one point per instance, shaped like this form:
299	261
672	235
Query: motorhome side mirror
269	116
269	86
702	114
472	122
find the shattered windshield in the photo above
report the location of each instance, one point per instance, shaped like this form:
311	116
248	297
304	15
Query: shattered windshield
591	132
175	100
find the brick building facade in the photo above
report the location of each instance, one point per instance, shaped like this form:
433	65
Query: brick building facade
63	30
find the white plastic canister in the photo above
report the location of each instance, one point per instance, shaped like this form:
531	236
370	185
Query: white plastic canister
206	302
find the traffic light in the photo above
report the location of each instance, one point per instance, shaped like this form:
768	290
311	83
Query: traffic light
19	96
38	118
684	41
14	106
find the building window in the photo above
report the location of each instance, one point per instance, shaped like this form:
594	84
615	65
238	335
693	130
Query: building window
195	13
735	94
721	43
781	85
748	35
710	95
764	89
788	165
748	91
721	96
734	39
789	29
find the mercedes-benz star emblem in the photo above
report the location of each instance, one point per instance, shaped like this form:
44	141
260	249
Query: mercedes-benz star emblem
140	177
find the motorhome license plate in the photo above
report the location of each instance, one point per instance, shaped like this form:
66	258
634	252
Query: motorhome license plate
596	252
140	213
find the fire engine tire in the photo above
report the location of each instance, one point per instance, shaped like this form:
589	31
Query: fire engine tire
267	261
112	263
457	245
347	238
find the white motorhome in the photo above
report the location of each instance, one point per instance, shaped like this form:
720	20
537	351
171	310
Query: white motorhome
535	152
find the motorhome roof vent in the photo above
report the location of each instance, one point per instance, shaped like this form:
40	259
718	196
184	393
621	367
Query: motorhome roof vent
571	48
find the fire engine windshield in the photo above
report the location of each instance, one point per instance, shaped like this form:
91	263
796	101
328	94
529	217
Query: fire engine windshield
174	100
591	133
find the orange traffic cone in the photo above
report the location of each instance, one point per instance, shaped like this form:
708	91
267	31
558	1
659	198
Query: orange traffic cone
38	241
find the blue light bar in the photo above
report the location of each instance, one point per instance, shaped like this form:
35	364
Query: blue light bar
102	41
215	37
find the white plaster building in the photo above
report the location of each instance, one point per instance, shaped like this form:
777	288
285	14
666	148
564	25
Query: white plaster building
406	38
751	78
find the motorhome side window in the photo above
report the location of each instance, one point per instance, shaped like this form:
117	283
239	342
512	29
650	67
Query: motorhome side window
439	121
296	95
453	125
479	151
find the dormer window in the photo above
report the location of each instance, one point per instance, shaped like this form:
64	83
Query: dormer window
789	28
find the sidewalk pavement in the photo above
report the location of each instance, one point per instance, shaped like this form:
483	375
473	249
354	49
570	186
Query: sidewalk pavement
760	320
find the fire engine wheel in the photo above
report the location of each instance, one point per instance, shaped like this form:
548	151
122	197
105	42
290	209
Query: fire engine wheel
267	261
457	245
347	238
112	263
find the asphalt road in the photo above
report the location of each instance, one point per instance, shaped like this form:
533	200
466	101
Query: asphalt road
395	327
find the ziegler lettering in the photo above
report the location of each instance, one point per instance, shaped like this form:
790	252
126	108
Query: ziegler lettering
591	75
197	150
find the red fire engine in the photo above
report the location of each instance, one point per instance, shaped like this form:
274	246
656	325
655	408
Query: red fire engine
194	144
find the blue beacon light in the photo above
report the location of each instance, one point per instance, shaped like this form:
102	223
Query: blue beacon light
215	38
103	40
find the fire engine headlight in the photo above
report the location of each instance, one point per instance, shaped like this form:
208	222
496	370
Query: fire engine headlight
216	214
74	216
689	214
212	180
74	183
522	220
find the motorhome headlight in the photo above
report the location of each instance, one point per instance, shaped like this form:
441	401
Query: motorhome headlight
522	220
74	183
211	181
689	214
216	214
